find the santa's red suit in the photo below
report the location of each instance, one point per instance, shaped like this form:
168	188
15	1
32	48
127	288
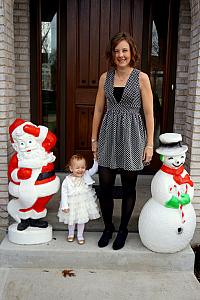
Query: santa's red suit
31	172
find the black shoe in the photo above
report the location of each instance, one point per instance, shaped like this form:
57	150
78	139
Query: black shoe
23	225
120	240
106	236
38	223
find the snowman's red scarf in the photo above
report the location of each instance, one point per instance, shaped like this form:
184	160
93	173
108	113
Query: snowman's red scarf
177	175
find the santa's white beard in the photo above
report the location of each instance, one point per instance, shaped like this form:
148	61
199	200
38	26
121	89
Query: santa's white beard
34	159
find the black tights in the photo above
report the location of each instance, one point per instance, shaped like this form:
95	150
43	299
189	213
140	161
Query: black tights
107	179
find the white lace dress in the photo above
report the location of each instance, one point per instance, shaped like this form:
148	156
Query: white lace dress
80	198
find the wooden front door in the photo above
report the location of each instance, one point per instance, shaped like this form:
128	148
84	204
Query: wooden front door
90	24
68	42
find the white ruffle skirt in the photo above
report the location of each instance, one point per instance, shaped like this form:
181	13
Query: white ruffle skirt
82	207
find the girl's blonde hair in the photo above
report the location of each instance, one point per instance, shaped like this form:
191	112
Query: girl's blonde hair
73	158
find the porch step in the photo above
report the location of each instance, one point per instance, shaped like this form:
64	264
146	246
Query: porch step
60	254
33	284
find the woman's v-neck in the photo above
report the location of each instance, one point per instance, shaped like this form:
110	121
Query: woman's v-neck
124	87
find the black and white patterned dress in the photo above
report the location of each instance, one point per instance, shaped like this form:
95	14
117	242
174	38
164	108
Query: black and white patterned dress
122	136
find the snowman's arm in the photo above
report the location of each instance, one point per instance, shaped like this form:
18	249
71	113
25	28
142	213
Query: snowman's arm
185	199
172	203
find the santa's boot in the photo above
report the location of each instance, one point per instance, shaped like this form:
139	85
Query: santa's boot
38	223
23	224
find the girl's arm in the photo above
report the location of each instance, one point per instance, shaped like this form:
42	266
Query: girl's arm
147	102
98	113
64	195
94	168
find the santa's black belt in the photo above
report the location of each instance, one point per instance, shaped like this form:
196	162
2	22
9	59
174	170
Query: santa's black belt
46	175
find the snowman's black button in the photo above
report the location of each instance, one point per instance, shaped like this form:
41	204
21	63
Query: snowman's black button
180	230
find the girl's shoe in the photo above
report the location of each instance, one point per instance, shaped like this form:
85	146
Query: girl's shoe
81	242
70	238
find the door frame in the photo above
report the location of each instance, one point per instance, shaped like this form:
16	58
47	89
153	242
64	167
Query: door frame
171	59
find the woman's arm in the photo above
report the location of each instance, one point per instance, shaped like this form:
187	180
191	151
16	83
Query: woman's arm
147	102
98	113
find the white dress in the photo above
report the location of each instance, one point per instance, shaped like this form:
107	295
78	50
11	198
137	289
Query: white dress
78	195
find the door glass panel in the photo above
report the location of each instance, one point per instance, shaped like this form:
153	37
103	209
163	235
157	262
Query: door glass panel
158	60
49	64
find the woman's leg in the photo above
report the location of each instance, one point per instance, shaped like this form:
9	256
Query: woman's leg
128	179
106	181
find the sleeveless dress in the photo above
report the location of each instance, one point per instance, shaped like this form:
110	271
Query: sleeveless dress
122	136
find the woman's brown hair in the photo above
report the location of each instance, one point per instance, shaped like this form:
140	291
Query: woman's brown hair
114	41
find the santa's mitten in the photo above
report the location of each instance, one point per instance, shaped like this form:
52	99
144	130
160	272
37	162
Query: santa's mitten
24	173
31	129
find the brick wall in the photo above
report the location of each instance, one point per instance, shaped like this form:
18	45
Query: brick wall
7	97
182	67
22	57
14	82
193	112
187	104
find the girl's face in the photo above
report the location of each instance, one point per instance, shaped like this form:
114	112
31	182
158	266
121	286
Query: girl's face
122	54
78	167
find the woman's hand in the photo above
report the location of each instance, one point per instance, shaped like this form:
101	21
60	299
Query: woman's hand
147	156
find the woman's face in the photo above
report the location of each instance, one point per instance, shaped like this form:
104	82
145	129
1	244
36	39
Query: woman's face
122	54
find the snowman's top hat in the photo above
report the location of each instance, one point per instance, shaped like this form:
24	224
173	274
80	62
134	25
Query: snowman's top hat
171	144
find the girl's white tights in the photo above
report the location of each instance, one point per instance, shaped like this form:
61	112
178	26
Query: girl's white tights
80	229
71	230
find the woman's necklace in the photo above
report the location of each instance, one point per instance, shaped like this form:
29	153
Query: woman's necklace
123	77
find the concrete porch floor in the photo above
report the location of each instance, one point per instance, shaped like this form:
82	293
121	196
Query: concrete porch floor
32	272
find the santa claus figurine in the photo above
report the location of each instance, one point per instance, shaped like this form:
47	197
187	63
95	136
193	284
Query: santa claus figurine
31	173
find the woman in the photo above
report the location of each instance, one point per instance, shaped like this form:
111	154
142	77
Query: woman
125	141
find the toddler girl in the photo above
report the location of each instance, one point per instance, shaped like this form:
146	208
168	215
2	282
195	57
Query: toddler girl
78	198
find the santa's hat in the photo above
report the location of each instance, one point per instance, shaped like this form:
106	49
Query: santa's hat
19	128
171	144
16	128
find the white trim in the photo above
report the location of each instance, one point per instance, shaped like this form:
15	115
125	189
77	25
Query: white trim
43	133
32	214
14	175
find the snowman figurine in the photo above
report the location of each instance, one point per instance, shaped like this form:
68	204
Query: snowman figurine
167	221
